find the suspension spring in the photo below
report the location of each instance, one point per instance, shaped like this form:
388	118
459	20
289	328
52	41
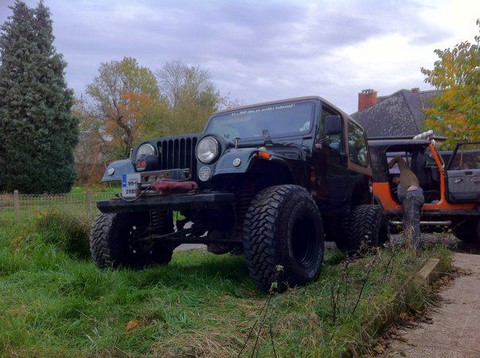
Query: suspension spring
161	222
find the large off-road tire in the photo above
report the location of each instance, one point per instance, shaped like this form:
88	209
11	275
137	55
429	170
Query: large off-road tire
283	227
468	231
368	227
112	241
340	233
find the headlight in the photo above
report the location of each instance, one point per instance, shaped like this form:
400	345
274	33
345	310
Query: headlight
144	150
207	150
204	173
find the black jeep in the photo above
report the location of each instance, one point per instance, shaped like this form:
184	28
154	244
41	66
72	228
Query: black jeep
269	180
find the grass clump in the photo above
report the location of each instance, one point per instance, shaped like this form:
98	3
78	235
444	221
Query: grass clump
55	304
68	232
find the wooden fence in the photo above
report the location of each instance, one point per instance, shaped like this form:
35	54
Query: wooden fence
15	206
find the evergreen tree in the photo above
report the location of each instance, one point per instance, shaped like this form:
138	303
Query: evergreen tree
37	129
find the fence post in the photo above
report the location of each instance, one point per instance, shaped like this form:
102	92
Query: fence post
88	203
16	204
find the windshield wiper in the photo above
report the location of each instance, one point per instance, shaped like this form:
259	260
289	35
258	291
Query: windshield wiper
267	138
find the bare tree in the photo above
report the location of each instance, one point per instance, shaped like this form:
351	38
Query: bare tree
191	96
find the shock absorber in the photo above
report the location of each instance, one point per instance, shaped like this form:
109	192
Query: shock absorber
244	197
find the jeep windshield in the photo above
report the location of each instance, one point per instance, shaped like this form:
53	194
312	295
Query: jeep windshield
280	119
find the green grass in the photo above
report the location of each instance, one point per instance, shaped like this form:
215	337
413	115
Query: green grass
55	302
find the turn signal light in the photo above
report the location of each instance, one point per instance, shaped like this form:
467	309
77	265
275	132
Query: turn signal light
264	155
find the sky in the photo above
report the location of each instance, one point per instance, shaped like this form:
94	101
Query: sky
263	50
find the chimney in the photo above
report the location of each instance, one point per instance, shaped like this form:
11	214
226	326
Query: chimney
366	98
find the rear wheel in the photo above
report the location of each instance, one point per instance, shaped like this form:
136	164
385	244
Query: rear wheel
340	233
367	227
468	231
283	227
121	239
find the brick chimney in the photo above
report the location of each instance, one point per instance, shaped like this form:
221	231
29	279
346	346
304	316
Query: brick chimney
366	98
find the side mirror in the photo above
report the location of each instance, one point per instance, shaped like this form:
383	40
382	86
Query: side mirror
333	125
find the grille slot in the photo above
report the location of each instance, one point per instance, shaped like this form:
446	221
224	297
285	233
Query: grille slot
178	153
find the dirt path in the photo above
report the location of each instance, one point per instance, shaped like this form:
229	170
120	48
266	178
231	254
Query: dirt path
454	330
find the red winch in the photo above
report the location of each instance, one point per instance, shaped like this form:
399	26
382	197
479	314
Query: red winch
168	186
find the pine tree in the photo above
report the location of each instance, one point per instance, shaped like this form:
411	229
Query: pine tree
37	129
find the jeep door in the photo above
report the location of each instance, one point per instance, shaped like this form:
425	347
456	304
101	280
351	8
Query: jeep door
343	164
330	161
463	174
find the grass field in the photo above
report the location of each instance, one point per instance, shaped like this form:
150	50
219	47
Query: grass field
55	302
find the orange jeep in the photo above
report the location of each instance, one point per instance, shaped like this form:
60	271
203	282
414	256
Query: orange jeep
452	189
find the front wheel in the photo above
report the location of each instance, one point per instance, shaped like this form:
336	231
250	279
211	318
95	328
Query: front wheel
121	239
283	227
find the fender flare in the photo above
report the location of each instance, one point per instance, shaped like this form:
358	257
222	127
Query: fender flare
116	169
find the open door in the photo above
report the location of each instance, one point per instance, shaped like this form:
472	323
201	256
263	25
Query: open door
463	173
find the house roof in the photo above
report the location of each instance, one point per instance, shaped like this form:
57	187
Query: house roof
400	114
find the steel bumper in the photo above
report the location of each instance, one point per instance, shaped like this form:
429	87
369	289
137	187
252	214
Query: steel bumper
207	201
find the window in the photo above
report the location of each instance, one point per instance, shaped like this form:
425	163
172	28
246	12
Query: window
357	145
467	156
333	141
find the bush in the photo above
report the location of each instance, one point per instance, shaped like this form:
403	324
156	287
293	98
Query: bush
65	231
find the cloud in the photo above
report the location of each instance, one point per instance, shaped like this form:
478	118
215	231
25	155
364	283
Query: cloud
265	50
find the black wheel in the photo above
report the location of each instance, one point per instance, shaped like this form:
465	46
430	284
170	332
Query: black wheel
367	227
340	233
283	227
468	231
114	241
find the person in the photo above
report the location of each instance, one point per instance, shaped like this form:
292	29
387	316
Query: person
411	196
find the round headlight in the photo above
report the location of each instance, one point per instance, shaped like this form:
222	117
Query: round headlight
208	150
144	150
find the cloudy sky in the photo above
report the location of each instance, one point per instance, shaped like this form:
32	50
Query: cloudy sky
265	50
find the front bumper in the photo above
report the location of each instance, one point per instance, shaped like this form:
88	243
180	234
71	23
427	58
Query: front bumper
205	201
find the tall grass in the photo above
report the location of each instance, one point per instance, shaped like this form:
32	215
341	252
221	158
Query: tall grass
55	302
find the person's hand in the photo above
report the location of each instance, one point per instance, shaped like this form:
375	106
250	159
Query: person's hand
392	162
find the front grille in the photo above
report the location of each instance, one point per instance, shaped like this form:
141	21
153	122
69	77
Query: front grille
178	153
